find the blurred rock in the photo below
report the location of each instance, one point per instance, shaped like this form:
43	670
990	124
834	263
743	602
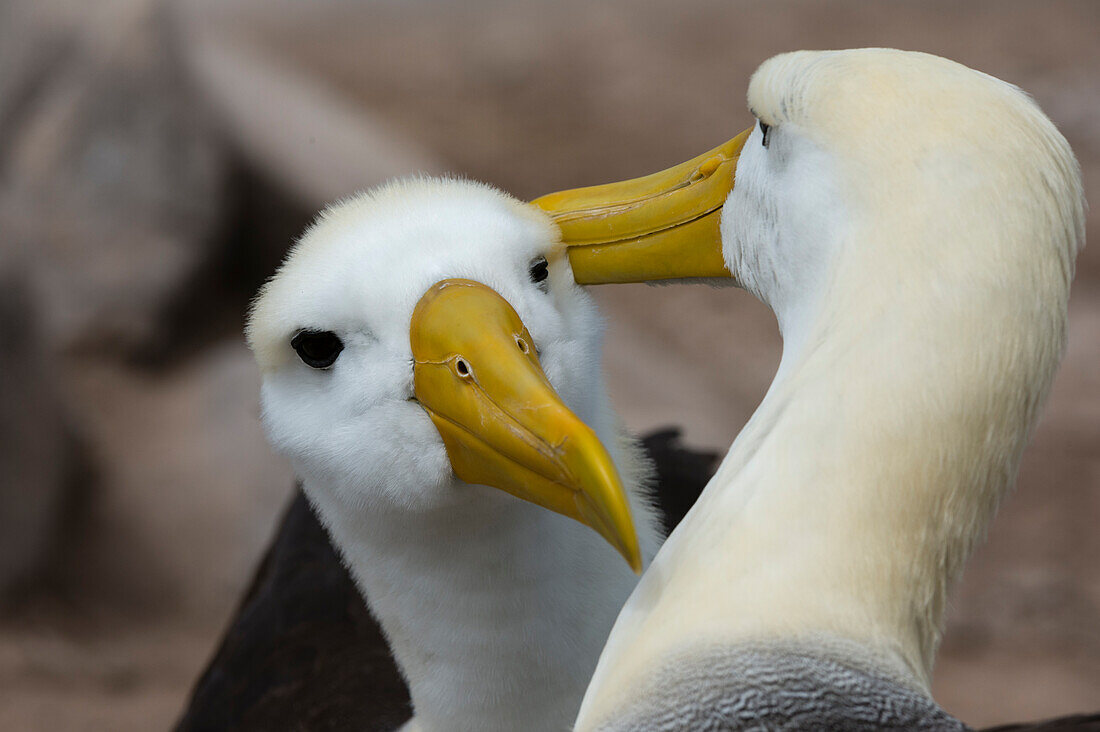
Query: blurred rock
110	174
34	444
300	132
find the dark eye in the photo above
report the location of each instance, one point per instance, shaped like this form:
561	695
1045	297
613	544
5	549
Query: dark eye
317	348
539	270
764	130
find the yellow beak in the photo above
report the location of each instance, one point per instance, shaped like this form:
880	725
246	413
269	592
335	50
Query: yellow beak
477	375
663	226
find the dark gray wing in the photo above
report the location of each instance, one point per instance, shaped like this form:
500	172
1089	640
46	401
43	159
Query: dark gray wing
302	652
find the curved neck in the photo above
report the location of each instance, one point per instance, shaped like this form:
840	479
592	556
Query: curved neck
850	500
875	463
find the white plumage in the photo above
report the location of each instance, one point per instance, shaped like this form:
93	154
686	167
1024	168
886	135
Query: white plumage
914	225
495	608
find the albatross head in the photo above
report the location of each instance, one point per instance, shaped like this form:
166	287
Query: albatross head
431	330
877	164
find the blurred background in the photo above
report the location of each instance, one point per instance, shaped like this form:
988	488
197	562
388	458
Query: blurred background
157	157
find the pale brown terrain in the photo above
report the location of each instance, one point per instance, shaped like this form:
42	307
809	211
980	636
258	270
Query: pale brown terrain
157	157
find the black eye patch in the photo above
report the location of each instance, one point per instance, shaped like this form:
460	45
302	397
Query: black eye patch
764	130
317	348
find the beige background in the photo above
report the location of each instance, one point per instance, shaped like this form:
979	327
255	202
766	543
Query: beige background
157	157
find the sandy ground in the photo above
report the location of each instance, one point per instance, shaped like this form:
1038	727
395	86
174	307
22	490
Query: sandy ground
534	97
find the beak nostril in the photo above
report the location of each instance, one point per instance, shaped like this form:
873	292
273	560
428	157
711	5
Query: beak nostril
462	367
522	345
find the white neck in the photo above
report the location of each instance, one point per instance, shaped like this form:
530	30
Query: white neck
853	496
495	609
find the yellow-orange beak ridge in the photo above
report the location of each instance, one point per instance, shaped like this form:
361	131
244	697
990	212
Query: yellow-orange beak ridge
478	376
658	227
